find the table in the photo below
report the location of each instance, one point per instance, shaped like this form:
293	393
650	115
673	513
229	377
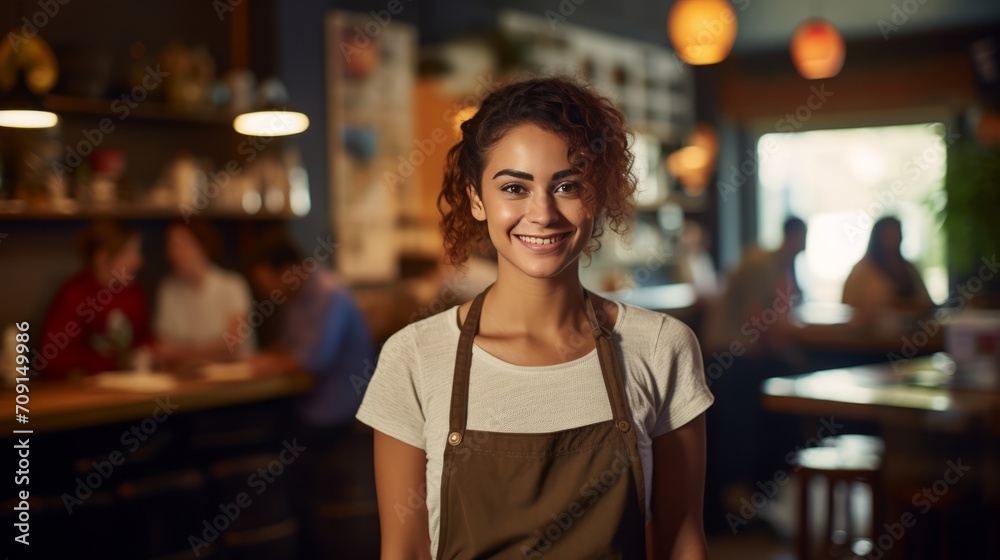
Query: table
73	404
867	392
928	421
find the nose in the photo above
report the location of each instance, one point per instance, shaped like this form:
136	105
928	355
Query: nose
542	209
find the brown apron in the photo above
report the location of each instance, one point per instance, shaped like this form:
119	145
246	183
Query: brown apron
573	494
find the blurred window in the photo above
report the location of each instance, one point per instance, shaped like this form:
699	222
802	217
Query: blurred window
840	182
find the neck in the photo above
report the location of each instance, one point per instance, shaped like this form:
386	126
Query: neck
521	303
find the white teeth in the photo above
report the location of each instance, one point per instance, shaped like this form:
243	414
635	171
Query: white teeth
541	241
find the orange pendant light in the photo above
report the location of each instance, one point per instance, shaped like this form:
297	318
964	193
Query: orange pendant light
817	49
702	31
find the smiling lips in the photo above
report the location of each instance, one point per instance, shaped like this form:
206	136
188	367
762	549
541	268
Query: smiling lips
546	242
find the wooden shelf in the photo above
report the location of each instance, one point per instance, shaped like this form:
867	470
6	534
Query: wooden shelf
136	213
146	110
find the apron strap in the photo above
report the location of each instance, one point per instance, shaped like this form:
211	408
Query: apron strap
463	366
614	382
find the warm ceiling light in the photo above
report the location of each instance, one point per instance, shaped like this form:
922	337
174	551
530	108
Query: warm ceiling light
27	119
271	123
28	69
702	31
817	49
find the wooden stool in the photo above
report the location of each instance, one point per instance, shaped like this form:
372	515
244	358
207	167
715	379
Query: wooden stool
842	459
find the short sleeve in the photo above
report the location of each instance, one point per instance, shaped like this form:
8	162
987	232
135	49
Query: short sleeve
677	357
391	403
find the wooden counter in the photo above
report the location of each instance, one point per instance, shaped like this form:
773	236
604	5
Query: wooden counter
60	405
869	392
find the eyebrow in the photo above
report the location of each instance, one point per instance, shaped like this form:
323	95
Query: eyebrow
529	177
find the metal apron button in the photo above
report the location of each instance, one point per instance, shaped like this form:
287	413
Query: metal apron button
623	425
454	438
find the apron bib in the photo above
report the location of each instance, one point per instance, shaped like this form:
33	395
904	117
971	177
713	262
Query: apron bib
573	494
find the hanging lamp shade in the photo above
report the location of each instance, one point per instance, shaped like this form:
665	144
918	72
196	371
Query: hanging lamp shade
702	31
28	69
817	49
272	118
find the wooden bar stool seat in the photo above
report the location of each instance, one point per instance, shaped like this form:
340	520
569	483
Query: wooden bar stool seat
841	461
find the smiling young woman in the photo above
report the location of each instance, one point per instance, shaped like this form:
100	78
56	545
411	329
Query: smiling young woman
539	419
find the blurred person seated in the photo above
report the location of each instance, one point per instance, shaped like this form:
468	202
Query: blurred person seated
749	337
322	332
883	283
754	307
200	307
99	316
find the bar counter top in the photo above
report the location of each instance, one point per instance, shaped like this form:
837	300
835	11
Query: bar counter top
79	403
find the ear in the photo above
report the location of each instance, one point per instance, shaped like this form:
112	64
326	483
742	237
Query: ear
478	210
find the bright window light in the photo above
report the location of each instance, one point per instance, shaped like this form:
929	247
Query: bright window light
840	182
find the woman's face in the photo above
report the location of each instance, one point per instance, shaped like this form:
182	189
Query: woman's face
531	203
183	252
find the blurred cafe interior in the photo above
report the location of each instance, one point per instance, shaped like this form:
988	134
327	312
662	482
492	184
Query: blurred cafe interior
213	215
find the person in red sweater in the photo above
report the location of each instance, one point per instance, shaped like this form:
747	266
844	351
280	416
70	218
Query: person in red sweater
99	316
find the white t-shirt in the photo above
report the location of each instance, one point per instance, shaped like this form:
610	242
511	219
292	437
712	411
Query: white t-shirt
189	314
409	396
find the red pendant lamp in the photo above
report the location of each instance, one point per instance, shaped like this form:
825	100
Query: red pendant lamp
702	31
817	49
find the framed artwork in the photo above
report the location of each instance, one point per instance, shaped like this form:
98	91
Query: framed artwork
370	81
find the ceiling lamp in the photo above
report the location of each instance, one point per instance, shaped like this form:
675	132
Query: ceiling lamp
270	115
702	31
271	122
817	49
28	70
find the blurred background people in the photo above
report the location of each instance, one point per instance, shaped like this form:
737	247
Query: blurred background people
322	332
762	280
883	281
748	338
200	308
100	315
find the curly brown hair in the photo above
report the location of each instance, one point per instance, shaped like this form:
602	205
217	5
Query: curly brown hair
598	149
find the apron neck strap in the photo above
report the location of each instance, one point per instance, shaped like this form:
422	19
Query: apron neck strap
613	380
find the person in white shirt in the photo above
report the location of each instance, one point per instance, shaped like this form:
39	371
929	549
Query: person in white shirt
200	308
